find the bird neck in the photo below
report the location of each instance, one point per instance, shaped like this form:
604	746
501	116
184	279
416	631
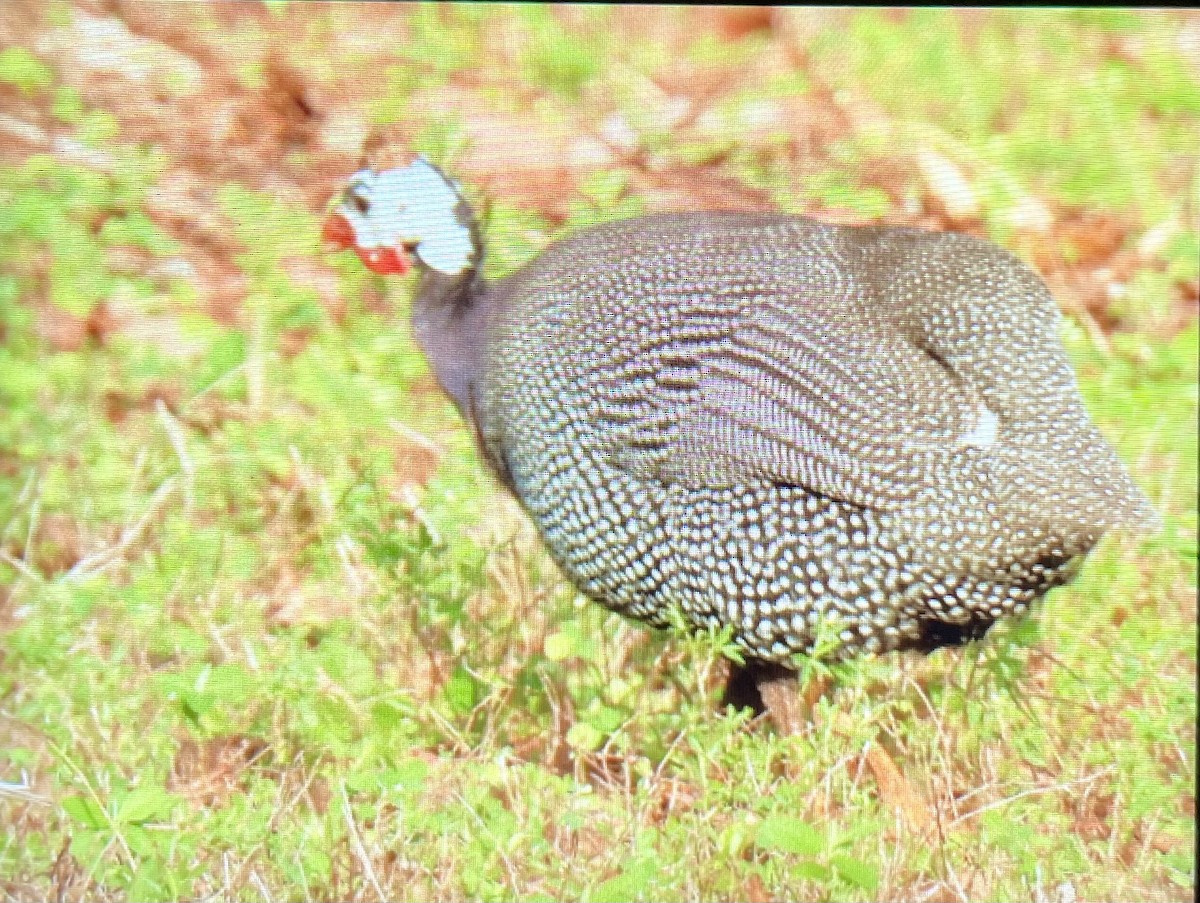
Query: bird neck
450	322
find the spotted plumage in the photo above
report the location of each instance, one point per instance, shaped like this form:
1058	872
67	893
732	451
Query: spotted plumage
784	427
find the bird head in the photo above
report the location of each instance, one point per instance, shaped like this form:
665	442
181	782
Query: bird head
391	216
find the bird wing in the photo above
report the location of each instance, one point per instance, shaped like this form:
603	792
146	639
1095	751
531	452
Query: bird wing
806	395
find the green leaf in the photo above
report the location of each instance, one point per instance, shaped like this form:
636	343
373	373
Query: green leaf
148	883
19	756
88	847
408	775
68	105
559	645
854	871
605	186
461	691
139	841
143	804
583	736
229	683
388	715
84	810
631	884
813	871
604	719
788	835
98	128
21	68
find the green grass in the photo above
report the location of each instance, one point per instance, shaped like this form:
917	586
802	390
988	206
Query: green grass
268	630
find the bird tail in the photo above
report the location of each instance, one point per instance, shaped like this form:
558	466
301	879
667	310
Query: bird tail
1079	500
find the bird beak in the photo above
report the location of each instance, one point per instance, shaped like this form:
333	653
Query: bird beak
339	235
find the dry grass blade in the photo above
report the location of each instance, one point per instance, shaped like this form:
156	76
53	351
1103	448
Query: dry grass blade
896	790
93	565
1033	791
360	851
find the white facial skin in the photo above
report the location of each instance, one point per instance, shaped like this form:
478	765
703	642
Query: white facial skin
409	206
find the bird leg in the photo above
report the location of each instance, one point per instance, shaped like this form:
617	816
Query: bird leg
768	687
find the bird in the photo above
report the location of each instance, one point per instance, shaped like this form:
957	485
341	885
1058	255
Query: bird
859	438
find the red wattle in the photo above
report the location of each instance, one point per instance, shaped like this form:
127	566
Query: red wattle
338	231
385	261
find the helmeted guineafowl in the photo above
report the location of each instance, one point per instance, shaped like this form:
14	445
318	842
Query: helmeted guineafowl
769	423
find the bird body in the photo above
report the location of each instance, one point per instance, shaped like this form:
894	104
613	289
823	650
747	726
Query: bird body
778	426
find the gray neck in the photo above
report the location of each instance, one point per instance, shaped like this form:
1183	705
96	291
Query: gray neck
450	322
